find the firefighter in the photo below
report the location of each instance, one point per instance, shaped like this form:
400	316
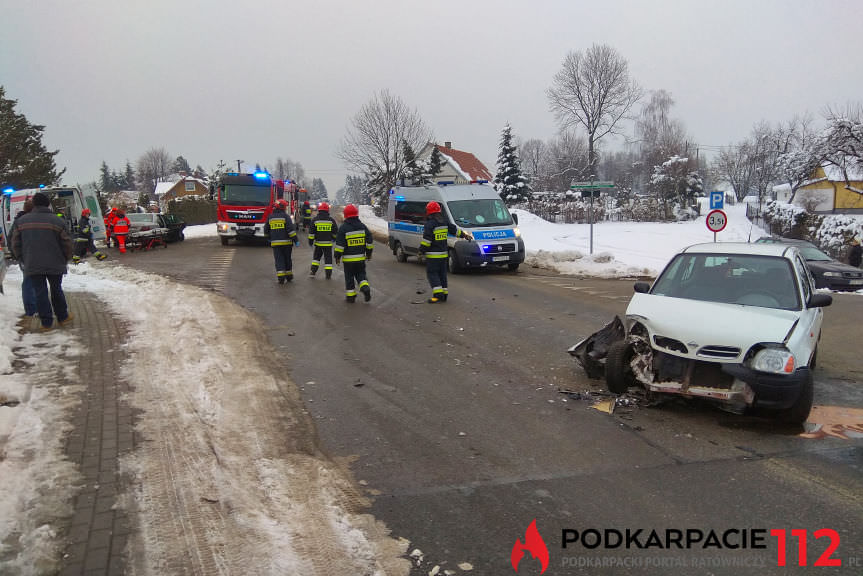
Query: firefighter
354	244
121	229
321	235
434	247
84	239
283	237
307	216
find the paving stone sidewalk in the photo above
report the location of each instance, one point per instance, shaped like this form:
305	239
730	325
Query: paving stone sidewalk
98	532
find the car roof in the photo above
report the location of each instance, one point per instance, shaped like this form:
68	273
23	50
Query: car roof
748	248
777	240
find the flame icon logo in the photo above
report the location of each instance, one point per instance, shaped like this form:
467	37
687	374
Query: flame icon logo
534	544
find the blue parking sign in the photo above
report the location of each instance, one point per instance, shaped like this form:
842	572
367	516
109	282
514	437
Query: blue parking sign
717	200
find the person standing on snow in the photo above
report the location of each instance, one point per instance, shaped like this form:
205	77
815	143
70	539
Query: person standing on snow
40	241
321	235
434	247
283	237
84	239
28	293
354	244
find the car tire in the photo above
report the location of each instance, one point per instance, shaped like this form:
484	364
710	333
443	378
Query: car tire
182	236
618	371
401	255
799	411
224	240
452	264
513	266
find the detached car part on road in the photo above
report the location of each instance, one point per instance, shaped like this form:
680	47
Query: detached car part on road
735	323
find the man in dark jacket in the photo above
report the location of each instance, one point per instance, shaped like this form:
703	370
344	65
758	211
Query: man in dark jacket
354	245
855	254
436	251
28	294
283	238
40	241
321	235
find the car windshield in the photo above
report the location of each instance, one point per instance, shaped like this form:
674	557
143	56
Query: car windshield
749	280
479	213
240	195
810	252
141	217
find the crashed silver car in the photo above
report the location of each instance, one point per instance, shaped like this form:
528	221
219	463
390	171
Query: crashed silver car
735	323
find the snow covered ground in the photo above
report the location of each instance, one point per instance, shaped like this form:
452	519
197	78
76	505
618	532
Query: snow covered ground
37	480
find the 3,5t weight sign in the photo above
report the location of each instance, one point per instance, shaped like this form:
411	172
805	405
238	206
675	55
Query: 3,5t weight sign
716	221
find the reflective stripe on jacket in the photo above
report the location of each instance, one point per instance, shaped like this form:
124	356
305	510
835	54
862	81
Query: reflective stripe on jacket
121	226
280	228
435	232
354	241
323	230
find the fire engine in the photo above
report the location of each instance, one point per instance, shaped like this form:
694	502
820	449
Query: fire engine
245	202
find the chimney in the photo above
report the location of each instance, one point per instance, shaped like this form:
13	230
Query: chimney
447	144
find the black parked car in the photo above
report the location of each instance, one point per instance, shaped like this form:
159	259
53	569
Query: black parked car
171	224
828	273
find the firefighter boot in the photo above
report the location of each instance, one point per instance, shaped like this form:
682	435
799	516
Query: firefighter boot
329	274
76	259
367	293
99	256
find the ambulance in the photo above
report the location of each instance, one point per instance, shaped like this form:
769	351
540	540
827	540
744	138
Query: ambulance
475	207
66	201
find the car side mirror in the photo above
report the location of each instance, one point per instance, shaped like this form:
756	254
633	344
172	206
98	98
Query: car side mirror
642	287
514	218
819	301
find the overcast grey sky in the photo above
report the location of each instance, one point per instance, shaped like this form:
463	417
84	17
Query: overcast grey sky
256	80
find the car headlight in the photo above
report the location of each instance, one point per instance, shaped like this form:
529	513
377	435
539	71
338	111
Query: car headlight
223	227
517	232
775	360
833	274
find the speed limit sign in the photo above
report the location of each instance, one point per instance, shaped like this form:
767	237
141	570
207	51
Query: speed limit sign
716	221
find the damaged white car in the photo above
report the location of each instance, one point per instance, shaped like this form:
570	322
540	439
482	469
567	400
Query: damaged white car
735	323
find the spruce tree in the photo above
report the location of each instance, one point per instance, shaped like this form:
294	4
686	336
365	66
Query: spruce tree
129	177
410	172
509	181
435	163
24	161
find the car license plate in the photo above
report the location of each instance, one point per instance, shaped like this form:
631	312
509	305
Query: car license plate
856	282
499	258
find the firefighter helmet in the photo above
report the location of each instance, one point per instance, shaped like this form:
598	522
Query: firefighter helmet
432	208
323	207
85	212
351	211
282	203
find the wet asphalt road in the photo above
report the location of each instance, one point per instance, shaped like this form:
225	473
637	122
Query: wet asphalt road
466	421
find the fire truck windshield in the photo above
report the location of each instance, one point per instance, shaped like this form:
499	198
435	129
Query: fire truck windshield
242	195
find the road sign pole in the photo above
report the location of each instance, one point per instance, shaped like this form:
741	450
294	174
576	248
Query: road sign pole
590	217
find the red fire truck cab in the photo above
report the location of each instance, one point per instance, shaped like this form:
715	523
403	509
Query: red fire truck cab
245	202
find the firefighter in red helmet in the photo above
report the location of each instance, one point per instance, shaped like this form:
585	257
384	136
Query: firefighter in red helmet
84	239
436	251
283	238
321	236
354	245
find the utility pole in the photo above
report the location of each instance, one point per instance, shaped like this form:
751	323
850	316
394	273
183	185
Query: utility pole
238	165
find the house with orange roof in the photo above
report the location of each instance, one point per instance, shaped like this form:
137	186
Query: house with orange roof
456	165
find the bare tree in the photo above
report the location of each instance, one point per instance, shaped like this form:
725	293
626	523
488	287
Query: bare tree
531	155
797	152
593	89
374	142
734	166
154	165
566	159
763	154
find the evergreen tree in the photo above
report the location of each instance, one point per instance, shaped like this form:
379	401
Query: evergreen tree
106	184
129	177
410	171
509	181
24	161
435	163
181	165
